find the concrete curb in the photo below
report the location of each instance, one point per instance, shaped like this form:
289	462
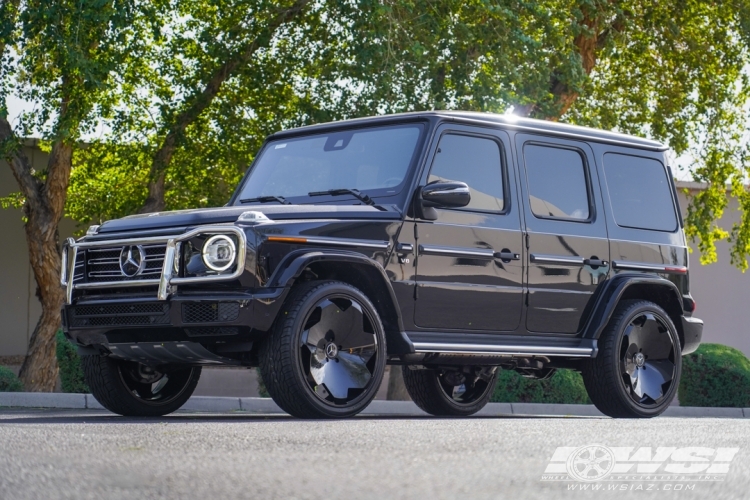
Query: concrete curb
209	404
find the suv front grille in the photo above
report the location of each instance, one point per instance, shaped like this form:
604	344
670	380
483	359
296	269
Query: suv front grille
103	264
119	315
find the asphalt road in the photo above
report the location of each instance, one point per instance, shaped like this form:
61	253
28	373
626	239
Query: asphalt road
92	454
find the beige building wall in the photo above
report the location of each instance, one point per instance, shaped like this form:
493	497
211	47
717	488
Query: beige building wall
721	290
19	307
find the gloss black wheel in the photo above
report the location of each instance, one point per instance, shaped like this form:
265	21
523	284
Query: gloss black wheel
456	392
326	356
134	389
637	370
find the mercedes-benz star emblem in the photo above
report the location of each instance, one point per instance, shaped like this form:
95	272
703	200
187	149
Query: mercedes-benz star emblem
132	260
331	350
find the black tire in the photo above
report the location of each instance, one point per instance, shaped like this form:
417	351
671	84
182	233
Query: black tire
117	386
429	389
637	370
316	364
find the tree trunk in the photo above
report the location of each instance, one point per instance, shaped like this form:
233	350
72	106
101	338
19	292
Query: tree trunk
39	370
588	44
43	208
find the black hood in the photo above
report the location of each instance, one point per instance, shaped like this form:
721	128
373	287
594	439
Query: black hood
202	216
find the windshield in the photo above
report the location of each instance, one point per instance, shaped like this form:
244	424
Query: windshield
375	160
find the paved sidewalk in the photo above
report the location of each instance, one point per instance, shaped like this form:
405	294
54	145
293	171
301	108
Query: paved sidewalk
207	404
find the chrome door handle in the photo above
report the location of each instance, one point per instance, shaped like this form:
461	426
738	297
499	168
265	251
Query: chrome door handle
595	262
404	248
506	255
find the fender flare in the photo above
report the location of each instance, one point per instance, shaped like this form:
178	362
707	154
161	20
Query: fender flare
294	264
612	293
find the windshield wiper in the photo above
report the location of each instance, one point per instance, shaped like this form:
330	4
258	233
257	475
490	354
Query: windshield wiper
266	199
338	192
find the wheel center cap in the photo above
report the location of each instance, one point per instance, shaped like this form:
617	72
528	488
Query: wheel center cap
331	350
639	359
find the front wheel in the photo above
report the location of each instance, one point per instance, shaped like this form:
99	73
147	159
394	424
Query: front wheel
638	367
138	390
326	355
456	392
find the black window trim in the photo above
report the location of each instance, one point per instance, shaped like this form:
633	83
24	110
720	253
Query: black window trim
503	170
586	174
670	184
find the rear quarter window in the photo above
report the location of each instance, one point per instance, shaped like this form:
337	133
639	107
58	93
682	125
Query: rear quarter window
639	192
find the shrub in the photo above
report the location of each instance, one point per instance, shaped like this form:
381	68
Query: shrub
9	381
262	391
715	375
71	374
564	386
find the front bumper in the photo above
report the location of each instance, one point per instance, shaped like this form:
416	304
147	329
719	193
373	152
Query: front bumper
692	329
205	317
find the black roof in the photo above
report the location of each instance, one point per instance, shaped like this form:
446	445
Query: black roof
507	122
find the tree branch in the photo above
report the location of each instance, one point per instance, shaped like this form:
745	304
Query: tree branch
19	164
60	161
163	156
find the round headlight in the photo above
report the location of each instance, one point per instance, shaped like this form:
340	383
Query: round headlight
219	252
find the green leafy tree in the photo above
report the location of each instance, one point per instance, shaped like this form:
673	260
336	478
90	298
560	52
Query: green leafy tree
60	55
194	110
674	70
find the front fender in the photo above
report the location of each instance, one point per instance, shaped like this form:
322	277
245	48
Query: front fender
373	281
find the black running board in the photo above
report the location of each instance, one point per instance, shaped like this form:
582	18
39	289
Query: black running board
459	343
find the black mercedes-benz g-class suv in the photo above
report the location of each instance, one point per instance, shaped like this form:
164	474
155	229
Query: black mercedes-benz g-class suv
453	244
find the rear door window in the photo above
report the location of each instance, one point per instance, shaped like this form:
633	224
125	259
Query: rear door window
639	192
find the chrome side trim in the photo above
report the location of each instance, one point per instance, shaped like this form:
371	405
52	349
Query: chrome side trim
474	253
561	260
643	266
578	352
344	242
166	281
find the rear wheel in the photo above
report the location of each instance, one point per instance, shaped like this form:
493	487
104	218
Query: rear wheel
326	356
638	367
137	390
456	392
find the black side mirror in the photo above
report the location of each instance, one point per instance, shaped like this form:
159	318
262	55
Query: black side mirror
446	194
440	194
